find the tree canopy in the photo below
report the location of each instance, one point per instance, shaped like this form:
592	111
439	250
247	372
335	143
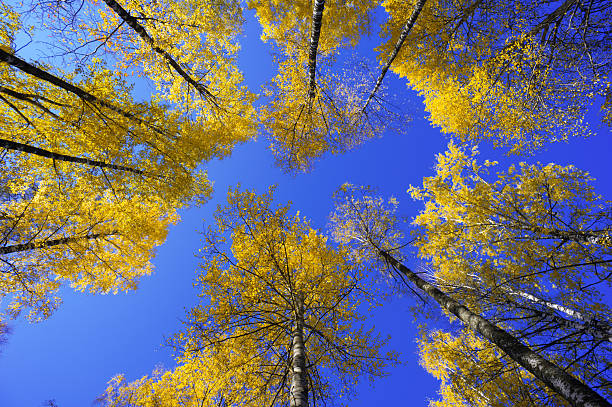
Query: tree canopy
111	113
280	307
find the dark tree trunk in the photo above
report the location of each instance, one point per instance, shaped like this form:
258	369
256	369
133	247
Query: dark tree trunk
140	30
564	384
405	31
13	145
49	243
60	83
315	33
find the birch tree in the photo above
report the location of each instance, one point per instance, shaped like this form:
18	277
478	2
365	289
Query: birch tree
283	305
370	223
534	239
186	49
418	6
313	103
521	74
90	240
91	179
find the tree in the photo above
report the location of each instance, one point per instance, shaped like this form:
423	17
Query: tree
303	129
369	223
535	240
203	379
398	46
160	151
282	305
54	233
474	372
521	74
313	107
98	120
81	218
124	15
186	49
91	179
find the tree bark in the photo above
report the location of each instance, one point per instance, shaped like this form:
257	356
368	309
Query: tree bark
67	86
564	384
49	243
140	30
315	33
590	325
13	145
559	12
405	31
32	99
298	394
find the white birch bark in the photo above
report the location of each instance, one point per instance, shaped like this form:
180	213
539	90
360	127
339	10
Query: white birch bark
555	378
298	394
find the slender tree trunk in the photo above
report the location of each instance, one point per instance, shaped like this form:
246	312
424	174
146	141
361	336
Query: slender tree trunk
568	387
559	12
13	145
298	394
315	33
593	237
49	243
592	326
140	30
67	86
33	100
405	31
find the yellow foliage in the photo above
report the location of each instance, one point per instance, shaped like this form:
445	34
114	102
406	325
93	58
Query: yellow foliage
302	128
529	246
266	273
95	225
473	373
501	71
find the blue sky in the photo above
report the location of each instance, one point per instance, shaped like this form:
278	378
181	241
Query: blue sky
71	356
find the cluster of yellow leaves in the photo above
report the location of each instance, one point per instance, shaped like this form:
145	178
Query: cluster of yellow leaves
166	150
302	128
533	227
530	247
288	24
202	39
202	379
473	373
365	222
496	71
105	222
110	240
274	260
276	271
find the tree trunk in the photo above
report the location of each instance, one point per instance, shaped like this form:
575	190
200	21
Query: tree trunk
594	327
32	99
140	30
60	83
315	33
298	394
49	243
405	31
590	325
559	12
13	145
568	387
